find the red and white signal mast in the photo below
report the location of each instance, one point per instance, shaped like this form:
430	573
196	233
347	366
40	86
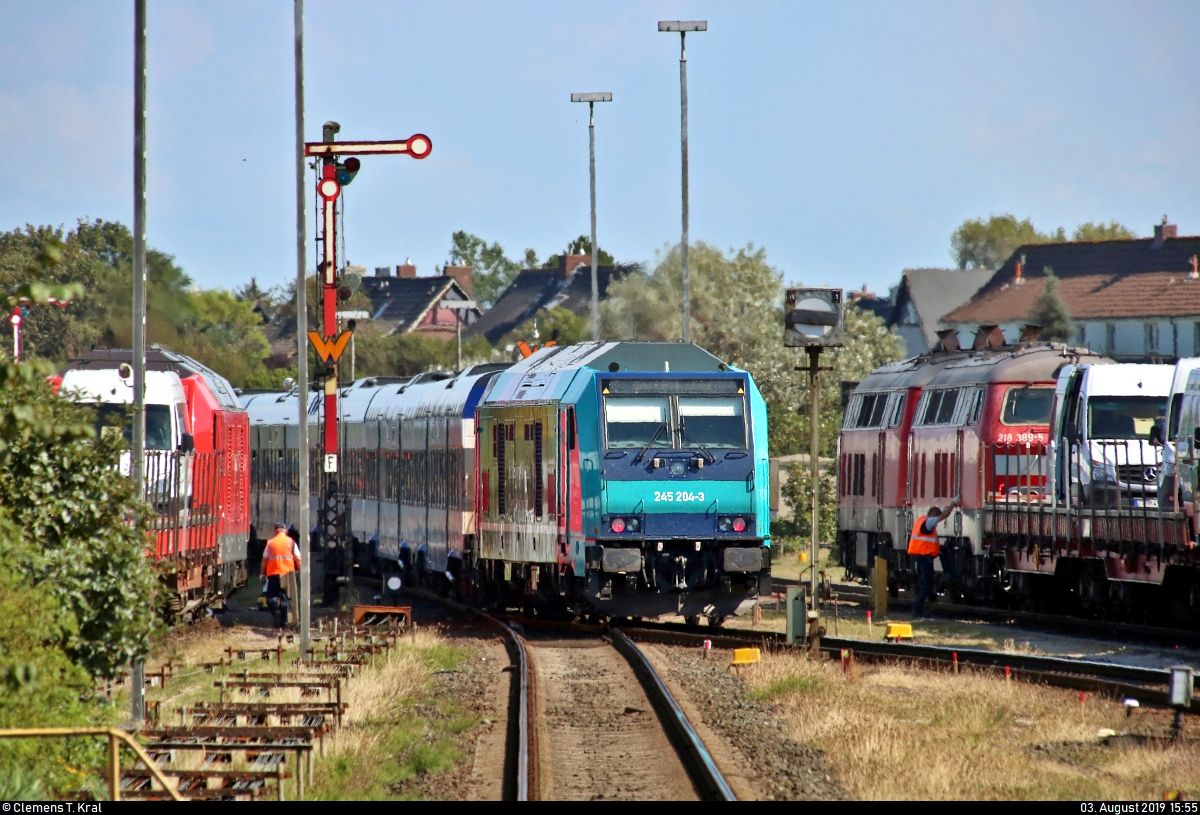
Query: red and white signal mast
336	174
339	165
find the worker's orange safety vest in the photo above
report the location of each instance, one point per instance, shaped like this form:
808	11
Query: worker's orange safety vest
920	543
279	557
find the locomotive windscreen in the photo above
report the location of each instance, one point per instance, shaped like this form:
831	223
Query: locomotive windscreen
675	413
111	417
1024	406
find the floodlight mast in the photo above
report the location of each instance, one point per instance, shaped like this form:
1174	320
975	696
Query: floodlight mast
592	99
682	27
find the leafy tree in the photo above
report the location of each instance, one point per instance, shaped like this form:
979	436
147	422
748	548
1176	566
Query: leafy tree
59	486
737	314
492	270
980	244
797	493
580	246
1100	231
1050	312
39	685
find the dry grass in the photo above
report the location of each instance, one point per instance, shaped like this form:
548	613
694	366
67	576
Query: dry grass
902	733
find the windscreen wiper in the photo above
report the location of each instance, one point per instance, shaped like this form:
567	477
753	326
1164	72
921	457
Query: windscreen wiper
699	447
653	439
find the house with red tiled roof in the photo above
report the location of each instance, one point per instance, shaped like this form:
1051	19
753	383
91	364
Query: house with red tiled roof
1135	300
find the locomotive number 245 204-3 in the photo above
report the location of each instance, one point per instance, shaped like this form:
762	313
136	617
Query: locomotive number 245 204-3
678	497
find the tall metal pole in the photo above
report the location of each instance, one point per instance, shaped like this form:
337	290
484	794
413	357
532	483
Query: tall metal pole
137	458
687	289
814	363
595	249
302	342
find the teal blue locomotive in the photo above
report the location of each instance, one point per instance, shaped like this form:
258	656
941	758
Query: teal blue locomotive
614	479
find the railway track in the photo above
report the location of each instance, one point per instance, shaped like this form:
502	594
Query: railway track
553	689
1147	685
1026	620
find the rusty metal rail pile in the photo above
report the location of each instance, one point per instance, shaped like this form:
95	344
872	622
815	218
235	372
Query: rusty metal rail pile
267	741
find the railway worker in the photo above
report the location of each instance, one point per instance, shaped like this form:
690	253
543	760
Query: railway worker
281	557
923	547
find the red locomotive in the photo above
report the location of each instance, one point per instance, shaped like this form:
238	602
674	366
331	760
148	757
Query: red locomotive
917	433
197	473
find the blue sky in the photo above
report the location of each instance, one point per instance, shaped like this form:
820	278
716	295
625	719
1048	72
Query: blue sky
849	139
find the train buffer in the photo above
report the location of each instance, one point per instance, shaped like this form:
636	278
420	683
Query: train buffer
896	632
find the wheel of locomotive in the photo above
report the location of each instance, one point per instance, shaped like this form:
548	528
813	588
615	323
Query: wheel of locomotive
692	619
715	621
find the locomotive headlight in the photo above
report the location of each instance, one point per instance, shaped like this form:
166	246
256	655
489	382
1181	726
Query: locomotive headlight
724	524
634	523
618	525
678	468
739	524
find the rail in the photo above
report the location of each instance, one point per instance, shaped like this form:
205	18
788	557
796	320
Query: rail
695	756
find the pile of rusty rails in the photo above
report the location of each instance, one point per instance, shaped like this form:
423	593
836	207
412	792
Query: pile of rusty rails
249	742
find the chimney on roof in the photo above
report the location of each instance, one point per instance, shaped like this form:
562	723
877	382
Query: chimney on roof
1017	279
569	263
406	269
1163	231
462	274
1194	274
383	271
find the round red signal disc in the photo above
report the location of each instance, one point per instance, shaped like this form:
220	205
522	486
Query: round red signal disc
419	145
328	188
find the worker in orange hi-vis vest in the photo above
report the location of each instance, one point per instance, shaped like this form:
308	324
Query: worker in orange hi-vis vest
923	547
281	557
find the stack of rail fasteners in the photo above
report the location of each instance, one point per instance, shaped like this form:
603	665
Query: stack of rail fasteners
245	748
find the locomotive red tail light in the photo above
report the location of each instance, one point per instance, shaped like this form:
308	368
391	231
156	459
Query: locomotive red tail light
618	525
739	524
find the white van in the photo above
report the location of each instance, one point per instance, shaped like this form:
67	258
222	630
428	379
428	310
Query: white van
1187	446
1100	433
168	422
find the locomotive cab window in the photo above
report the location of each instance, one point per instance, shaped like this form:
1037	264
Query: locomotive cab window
636	421
1024	405
712	421
675	414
